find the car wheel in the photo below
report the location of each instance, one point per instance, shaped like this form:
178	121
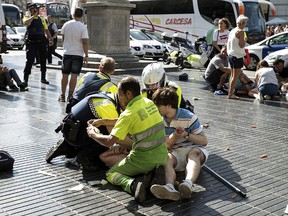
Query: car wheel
253	62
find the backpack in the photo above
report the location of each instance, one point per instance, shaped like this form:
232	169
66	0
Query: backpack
6	161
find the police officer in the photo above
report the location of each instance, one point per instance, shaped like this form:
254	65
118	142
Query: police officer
76	140
36	41
94	82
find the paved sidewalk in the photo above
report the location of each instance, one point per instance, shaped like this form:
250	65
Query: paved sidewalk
239	133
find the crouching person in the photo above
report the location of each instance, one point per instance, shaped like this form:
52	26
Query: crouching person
75	141
185	140
143	122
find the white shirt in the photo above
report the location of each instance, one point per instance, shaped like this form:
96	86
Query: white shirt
221	37
74	31
233	47
266	76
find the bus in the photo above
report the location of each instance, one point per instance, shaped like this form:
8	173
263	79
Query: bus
13	16
193	18
3	38
59	11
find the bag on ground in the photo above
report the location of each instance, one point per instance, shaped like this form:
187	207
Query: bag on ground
6	161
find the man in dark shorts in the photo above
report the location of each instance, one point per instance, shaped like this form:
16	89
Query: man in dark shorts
75	46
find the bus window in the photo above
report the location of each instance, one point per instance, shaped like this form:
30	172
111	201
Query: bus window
60	12
211	10
12	15
162	7
256	24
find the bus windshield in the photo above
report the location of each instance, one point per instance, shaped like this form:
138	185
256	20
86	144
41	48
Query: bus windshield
12	15
256	23
60	12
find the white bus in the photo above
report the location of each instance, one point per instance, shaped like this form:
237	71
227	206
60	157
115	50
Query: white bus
195	17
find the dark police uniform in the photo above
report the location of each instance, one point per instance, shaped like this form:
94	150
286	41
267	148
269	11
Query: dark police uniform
36	41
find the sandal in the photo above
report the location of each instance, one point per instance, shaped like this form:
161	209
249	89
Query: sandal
233	96
61	98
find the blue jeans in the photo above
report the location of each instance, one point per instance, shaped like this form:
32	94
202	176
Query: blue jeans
5	79
268	89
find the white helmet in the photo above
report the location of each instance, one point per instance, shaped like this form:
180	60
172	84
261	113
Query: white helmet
153	73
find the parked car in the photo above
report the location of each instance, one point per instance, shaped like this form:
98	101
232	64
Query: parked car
153	48
137	48
280	54
20	30
14	40
261	49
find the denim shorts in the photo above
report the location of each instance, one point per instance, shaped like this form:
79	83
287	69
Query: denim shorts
235	62
268	89
72	64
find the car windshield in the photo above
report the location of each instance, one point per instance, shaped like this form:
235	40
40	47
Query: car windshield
21	30
281	39
10	31
139	35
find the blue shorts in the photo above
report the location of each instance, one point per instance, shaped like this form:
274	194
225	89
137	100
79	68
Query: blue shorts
72	64
268	89
235	62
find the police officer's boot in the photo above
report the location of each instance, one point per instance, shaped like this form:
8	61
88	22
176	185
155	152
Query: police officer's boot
26	77
43	80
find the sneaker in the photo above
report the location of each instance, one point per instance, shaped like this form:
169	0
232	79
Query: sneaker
185	190
61	98
267	97
158	176
45	81
13	88
261	98
165	192
59	149
23	86
138	188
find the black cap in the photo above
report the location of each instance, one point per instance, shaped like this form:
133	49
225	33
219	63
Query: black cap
33	5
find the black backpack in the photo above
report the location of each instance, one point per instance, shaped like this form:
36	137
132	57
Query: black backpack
6	161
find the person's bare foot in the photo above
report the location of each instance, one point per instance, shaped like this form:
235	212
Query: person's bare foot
233	96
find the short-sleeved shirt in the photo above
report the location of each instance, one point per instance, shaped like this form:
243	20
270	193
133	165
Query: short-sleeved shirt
215	63
188	121
90	77
221	37
144	123
74	31
104	108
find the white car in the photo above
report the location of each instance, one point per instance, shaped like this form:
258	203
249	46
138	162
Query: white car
260	50
137	48
280	54
14	40
153	49
20	30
